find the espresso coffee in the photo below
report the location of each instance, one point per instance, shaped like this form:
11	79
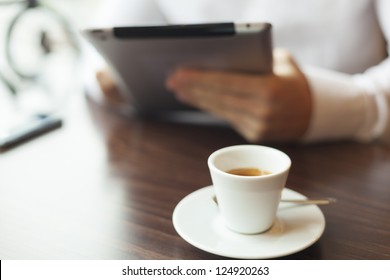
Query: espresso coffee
250	171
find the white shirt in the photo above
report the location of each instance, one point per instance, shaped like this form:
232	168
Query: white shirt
340	45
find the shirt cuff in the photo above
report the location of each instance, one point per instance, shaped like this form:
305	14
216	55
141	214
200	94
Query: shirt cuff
341	109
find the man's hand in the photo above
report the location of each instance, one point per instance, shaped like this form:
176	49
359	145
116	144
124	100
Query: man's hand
275	107
111	94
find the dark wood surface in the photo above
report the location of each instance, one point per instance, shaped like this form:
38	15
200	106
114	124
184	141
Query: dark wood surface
104	187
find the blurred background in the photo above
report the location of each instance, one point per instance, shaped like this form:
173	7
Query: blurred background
40	57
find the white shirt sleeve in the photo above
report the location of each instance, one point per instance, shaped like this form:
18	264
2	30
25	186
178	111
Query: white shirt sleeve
128	12
352	106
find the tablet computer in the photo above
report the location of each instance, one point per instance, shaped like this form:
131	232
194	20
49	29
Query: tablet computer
142	57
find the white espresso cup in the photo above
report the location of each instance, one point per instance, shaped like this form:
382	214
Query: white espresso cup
248	204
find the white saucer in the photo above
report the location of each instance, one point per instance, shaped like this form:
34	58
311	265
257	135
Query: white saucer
196	219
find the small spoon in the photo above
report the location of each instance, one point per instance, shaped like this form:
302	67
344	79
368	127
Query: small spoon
322	201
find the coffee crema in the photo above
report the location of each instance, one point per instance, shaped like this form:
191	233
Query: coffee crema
248	171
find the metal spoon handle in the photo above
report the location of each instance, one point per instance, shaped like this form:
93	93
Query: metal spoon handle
322	201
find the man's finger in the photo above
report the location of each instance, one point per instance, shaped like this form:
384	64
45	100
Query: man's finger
228	82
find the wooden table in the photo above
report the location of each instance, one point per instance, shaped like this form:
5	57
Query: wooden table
104	187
